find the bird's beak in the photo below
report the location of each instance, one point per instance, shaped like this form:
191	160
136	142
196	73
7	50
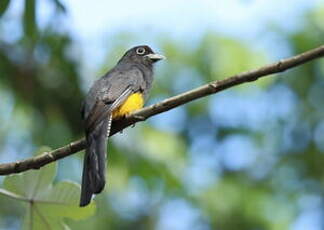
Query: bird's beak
155	57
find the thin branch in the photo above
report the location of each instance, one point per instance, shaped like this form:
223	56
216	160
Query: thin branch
170	103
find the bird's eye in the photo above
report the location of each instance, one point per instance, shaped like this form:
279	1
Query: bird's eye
140	51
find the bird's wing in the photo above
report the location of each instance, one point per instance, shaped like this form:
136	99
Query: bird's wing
112	91
101	110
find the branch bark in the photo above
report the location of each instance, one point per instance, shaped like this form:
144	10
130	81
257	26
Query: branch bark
170	103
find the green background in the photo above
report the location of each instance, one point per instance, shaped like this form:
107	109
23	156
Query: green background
251	157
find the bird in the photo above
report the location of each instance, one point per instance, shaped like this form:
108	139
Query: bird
118	93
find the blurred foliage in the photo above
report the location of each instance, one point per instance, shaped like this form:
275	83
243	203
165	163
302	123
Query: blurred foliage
3	6
248	158
46	205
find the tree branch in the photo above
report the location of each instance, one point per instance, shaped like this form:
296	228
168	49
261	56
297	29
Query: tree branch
170	103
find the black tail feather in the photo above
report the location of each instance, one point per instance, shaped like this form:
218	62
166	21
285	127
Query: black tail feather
94	165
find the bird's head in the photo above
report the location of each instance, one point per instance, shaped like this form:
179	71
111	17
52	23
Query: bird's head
142	55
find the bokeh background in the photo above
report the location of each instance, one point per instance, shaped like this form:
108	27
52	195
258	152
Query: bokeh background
249	158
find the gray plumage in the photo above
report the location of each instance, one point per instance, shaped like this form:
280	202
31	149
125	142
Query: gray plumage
133	73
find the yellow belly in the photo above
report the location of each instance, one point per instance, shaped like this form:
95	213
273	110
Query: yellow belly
132	103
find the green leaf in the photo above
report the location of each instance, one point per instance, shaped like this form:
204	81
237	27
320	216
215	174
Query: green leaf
67	193
3	6
47	204
32	183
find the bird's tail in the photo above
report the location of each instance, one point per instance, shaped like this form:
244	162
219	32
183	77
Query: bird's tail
94	165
